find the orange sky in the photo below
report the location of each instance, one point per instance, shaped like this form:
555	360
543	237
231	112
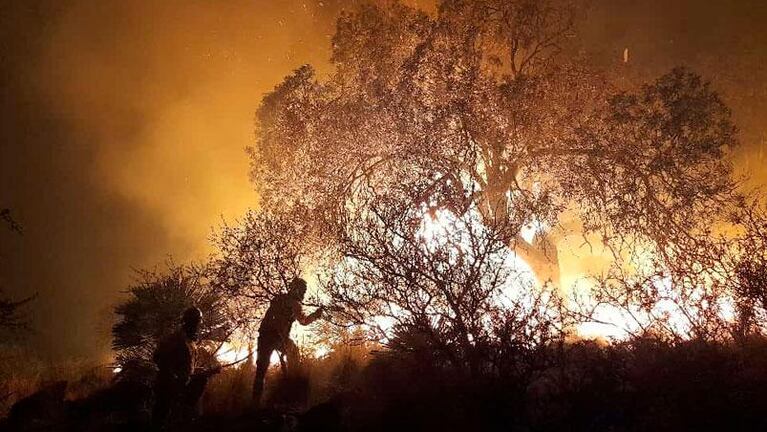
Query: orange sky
126	123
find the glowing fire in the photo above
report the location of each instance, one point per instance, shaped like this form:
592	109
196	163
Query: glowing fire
610	322
235	351
231	352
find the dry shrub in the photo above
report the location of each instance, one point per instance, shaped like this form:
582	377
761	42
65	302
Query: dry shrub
229	393
22	374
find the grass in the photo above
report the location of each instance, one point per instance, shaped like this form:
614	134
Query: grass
640	385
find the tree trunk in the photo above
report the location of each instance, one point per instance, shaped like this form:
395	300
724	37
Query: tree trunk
541	256
541	253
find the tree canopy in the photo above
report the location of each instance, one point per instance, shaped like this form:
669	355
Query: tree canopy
480	102
481	123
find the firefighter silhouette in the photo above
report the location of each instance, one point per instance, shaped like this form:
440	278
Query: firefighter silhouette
274	332
179	385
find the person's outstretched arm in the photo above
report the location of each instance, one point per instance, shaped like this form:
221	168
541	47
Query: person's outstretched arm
304	319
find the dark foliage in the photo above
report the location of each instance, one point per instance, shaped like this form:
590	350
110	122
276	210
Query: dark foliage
154	309
257	258
642	385
12	318
9	221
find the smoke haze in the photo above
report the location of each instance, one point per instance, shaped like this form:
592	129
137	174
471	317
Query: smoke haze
124	124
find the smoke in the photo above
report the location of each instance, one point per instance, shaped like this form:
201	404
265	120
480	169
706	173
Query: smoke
124	124
724	41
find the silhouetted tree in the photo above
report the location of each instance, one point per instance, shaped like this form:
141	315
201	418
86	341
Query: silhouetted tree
750	271
12	320
257	258
438	284
483	104
9	221
712	289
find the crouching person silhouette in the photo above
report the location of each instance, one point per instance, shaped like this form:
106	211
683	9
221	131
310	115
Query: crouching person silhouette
179	385
274	333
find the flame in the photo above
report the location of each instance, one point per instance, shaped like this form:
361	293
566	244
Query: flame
230	352
235	351
609	322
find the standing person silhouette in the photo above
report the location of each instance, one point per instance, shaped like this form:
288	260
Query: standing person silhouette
274	332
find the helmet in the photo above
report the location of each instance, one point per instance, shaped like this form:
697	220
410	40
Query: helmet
192	316
297	287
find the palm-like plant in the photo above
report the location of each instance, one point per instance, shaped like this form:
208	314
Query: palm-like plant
153	310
